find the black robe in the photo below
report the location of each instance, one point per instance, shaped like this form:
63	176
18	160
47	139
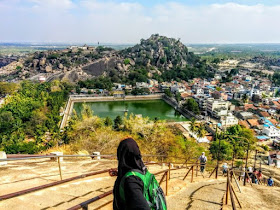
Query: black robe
129	158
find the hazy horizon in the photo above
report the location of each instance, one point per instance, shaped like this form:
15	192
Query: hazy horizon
127	21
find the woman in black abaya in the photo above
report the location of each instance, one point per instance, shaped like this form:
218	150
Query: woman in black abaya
129	158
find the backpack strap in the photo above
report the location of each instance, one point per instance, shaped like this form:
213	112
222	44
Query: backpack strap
146	179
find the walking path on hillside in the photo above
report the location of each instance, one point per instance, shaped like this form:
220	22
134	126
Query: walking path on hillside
201	195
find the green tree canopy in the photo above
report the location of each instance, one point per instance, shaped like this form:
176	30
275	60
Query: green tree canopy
191	105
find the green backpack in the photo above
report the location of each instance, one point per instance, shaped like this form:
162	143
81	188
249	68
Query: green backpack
152	191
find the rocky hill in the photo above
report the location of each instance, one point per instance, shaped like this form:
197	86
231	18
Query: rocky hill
155	55
159	51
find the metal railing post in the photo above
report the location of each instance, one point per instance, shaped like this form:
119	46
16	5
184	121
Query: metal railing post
227	191
59	166
192	174
231	197
167	178
169	171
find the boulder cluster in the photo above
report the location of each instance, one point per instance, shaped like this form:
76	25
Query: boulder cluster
156	54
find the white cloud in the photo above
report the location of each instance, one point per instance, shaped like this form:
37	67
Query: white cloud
54	4
107	21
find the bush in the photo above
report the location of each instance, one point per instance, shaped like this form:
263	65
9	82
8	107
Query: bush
52	56
126	61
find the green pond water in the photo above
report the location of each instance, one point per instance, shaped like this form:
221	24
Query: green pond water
147	108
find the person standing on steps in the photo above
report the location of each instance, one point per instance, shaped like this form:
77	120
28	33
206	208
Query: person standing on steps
225	168
135	187
203	160
270	182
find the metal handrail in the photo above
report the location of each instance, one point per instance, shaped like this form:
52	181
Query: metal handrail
84	205
56	156
33	189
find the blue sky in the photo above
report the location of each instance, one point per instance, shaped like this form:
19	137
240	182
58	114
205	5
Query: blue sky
127	21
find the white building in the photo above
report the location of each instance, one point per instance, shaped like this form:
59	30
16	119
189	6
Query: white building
217	113
274	157
178	89
199	91
218	76
248	78
271	131
153	82
142	85
229	120
213	105
255	92
42	79
202	101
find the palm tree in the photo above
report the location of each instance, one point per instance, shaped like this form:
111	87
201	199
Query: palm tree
193	126
201	132
245	98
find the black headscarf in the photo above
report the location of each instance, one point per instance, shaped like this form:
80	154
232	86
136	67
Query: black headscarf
129	157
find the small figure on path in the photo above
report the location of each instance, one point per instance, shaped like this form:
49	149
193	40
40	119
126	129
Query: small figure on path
225	168
242	174
254	177
260	176
270	182
203	160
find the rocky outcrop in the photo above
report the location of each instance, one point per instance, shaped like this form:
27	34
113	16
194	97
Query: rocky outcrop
42	61
60	66
48	69
156	54
98	67
159	51
12	68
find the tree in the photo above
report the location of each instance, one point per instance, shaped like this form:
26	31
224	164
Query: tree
108	122
78	89
225	150
193	125
86	111
201	132
168	92
31	112
7	88
126	61
192	106
256	98
178	97
245	98
118	121
235	142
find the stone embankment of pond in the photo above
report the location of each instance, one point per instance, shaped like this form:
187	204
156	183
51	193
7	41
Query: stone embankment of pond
85	98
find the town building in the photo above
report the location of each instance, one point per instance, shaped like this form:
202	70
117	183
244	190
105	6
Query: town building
215	107
274	157
228	120
271	131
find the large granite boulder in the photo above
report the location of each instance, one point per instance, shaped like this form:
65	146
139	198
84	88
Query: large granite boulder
48	69
35	63
42	61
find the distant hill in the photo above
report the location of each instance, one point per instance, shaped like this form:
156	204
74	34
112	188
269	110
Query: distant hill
158	57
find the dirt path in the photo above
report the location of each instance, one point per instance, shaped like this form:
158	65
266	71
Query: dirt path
204	193
26	174
201	195
257	197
